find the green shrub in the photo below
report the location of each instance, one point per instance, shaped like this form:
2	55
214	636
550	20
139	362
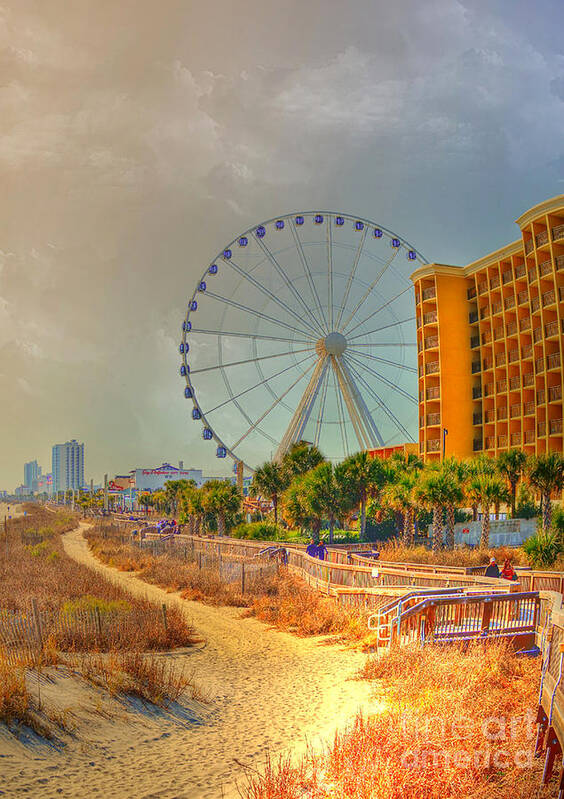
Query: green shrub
543	549
258	531
39	550
526	508
88	603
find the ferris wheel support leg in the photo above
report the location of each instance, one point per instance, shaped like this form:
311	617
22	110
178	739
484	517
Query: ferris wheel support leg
295	429
364	426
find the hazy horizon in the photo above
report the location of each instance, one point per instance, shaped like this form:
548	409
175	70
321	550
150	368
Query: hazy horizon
137	140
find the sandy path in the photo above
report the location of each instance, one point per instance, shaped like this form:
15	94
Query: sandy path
270	691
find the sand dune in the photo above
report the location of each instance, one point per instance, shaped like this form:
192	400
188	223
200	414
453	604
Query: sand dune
269	691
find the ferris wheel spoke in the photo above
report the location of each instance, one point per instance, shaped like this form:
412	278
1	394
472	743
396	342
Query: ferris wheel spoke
366	432
269	294
248	360
381	308
307	271
330	272
286	280
232	334
257	385
321	409
385	380
368	291
384	327
385	361
341	415
352	275
271	408
295	430
371	391
253	312
385	344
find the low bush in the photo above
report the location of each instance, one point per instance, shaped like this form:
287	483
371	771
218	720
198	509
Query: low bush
543	549
258	531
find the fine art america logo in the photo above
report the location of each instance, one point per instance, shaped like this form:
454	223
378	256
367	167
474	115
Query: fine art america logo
490	744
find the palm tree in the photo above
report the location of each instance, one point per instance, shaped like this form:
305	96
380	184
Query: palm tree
269	481
222	499
295	509
546	474
511	464
326	494
301	458
400	497
455	473
365	476
480	465
489	490
430	491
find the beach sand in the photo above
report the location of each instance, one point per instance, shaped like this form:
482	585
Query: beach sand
269	691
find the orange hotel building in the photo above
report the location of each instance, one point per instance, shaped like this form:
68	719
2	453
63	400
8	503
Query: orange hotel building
490	345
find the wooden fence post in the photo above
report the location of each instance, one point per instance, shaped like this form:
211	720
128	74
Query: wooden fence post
98	620
199	560
242	578
165	621
37	622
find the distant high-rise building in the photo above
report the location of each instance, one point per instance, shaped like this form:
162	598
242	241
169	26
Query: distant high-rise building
68	465
32	470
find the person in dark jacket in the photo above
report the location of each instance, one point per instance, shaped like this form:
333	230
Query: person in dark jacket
321	550
311	549
493	569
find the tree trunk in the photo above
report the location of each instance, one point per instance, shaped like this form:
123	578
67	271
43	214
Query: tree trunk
362	531
450	527
221	523
331	526
474	513
546	512
485	537
275	505
496	509
513	497
437	528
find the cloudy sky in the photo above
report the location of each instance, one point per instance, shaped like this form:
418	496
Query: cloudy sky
137	137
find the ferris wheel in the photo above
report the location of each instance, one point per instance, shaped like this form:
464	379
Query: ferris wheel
303	328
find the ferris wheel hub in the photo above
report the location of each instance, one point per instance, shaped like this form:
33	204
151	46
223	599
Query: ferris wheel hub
333	344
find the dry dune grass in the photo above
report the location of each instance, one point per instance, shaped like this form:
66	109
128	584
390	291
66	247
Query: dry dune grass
454	724
397	552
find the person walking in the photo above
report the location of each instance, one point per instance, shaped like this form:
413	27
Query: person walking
321	550
493	569
311	549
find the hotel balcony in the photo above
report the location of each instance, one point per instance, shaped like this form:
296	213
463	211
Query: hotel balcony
497	307
532	274
500	359
432	368
476	392
528	379
433	393
528	246
553	361
529	409
429	293
476	418
520	271
554	393
512	356
490	442
430	318
541	238
507	277
555	426
548	298
498	333
558	232
474	342
471	293
433	419
482	287
529	436
537	334
523	297
541	428
502	413
434	445
535	303
515	411
476	366
473	317
515	439
527	352
502	441
551	329
525	323
494	282
545	268
477	445
431	342
541	396
489	416
559	261
514	383
501	386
